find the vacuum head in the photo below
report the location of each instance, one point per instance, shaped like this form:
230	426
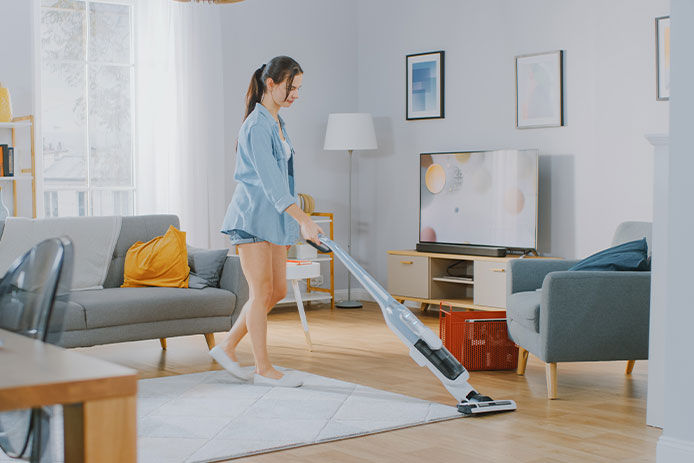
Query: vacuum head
478	404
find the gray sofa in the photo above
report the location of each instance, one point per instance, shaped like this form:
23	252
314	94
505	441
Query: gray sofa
562	316
115	314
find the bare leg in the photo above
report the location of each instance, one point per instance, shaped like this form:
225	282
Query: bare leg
240	328
279	290
264	266
256	262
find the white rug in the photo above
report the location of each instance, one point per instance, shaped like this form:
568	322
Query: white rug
211	416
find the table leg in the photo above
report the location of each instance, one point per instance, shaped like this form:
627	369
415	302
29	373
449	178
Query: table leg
101	431
302	314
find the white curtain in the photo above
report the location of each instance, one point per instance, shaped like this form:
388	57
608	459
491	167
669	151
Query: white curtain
180	116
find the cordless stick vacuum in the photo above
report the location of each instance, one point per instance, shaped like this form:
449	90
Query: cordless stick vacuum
425	347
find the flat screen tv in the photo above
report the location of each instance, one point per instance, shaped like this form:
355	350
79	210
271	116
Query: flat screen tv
478	199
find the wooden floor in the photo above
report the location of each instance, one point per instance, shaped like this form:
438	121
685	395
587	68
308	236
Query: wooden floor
599	416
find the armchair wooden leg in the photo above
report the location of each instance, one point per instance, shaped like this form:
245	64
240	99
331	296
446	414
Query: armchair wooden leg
162	341
630	367
522	361
551	370
209	338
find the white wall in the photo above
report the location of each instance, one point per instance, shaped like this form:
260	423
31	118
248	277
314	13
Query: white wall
321	37
594	173
16	53
17	74
676	443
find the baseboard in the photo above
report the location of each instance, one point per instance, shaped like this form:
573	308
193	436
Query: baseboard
671	450
360	294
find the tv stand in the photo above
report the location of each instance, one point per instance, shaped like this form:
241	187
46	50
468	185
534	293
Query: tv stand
479	283
423	277
464	249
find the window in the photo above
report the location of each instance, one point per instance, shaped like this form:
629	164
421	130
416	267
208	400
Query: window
87	78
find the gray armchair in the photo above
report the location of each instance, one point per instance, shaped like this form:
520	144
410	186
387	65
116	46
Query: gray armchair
562	316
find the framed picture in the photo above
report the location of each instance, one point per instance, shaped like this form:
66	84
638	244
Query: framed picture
662	58
424	97
540	90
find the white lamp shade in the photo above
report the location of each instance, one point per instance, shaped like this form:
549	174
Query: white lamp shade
350	131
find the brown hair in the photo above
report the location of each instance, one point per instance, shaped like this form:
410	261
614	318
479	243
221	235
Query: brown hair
278	69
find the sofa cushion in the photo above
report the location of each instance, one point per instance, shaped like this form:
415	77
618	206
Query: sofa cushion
630	256
524	309
162	261
124	306
205	266
75	318
135	228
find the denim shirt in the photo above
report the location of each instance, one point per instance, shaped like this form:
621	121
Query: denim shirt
265	182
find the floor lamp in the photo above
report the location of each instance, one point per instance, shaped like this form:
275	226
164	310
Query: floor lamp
350	131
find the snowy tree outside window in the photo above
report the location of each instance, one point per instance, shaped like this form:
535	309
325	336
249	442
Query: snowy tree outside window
87	77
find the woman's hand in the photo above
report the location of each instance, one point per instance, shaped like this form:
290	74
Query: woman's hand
309	228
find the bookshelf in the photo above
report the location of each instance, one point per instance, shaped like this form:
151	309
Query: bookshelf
21	174
317	293
329	292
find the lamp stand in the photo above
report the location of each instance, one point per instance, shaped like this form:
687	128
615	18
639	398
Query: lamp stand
349	303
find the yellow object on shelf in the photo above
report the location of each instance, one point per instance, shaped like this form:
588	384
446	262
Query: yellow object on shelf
5	105
308	204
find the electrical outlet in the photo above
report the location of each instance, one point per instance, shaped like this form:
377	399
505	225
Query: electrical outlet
317	281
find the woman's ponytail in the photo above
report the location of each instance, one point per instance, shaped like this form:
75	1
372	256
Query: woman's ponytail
255	90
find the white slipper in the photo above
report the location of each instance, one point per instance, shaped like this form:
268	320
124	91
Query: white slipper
287	380
229	365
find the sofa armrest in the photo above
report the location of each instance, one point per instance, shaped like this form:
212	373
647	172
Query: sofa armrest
528	274
232	279
595	315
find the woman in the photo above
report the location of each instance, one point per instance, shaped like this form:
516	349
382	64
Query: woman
263	218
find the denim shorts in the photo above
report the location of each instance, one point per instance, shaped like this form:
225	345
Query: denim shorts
238	236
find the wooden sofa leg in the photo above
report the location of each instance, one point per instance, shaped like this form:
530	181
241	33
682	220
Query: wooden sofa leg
630	367
209	338
162	341
522	361
551	370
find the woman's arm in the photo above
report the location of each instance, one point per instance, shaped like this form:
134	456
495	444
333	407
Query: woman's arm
309	228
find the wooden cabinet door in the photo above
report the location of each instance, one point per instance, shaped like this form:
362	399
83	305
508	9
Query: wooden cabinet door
408	276
490	284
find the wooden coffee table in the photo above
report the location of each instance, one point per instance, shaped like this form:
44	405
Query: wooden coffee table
98	398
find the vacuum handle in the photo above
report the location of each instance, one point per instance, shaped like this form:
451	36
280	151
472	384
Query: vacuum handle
320	247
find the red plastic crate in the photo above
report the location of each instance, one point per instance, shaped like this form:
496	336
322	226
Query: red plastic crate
477	339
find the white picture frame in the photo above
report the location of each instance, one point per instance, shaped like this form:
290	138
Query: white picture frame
540	90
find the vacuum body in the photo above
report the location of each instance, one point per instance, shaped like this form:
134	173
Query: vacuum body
425	347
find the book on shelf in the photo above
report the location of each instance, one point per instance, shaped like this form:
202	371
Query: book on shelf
6	161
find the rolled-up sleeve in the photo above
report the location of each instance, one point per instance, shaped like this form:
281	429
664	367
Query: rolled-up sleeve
272	180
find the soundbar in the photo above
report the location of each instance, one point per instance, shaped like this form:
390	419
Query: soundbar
467	249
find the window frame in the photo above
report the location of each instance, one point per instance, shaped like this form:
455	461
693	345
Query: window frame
88	187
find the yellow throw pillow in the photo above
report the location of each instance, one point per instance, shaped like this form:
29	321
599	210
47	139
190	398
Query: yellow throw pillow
162	261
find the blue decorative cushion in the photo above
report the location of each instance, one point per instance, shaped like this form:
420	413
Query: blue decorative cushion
205	266
631	256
